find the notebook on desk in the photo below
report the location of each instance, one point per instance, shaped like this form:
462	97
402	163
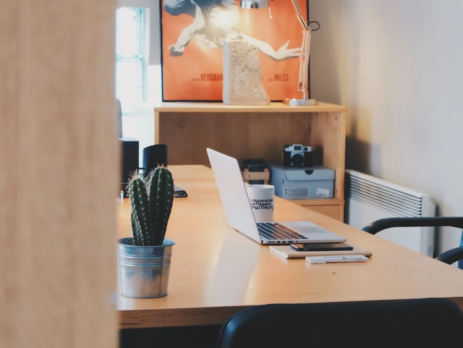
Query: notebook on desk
289	253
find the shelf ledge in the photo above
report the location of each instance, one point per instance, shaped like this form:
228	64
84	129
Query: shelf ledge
220	107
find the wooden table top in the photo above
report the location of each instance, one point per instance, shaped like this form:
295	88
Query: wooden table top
216	271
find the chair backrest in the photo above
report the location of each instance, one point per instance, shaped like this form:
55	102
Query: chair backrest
392	324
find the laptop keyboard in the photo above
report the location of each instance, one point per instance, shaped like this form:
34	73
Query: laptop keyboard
273	231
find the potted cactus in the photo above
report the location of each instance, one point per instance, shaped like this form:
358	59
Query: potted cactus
144	260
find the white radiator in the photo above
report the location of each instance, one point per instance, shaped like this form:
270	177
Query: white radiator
369	199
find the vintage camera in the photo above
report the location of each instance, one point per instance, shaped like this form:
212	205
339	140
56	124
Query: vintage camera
297	156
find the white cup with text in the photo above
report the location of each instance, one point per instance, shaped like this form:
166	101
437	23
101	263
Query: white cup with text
261	198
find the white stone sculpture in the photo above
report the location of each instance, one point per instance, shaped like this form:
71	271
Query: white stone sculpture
242	78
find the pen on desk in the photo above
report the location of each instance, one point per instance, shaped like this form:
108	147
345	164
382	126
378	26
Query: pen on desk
336	259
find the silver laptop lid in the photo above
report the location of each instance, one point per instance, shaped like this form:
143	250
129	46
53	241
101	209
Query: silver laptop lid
233	193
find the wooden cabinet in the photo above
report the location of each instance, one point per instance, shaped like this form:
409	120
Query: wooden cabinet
256	132
333	211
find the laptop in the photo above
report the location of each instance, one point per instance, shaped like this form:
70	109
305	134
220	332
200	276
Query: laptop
235	201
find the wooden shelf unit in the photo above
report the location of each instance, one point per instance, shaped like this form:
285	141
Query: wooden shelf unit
248	132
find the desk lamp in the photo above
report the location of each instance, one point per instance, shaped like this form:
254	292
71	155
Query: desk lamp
305	51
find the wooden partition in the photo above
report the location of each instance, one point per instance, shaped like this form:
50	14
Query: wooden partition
256	132
59	174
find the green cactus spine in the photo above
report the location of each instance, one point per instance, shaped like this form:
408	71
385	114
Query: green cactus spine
136	238
161	197
141	216
151	206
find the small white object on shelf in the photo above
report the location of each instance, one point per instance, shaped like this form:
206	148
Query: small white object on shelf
242	77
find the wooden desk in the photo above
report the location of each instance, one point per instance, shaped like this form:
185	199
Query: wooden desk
216	271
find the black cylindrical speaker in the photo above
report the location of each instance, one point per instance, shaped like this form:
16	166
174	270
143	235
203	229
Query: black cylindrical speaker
154	156
129	160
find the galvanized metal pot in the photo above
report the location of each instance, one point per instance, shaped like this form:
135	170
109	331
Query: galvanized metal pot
143	270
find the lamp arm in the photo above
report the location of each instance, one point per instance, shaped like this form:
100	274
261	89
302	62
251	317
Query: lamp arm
303	83
299	15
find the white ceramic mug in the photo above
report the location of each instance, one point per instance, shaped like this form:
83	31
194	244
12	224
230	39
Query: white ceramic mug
261	198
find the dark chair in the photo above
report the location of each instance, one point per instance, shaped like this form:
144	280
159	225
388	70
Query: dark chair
427	323
449	257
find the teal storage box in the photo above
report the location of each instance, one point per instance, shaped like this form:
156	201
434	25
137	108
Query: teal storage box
302	183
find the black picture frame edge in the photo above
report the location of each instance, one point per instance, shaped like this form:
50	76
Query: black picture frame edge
207	101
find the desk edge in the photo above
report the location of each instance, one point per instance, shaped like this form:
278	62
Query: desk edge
142	319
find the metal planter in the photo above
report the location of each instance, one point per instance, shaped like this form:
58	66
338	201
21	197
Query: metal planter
143	270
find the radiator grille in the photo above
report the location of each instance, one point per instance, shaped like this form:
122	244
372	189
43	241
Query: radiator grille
383	197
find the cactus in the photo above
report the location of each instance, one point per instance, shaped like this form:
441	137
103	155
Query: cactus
141	216
151	206
136	239
161	195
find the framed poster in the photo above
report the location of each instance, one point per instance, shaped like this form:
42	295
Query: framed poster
192	35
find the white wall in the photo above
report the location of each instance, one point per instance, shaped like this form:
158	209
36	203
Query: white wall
398	66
